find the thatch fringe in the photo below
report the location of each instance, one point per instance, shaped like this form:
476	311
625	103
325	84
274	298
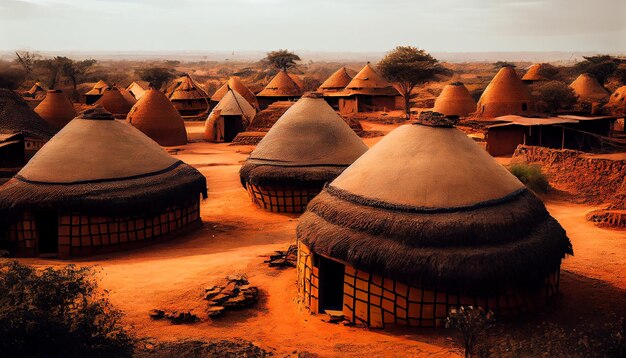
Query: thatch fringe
472	251
298	176
140	194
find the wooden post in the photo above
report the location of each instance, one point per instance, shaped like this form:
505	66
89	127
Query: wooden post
562	137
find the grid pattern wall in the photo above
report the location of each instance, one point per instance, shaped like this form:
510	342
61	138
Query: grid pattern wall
76	230
377	301
282	199
32	144
24	232
308	279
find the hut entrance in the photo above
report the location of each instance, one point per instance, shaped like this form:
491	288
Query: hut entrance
232	126
47	224
330	284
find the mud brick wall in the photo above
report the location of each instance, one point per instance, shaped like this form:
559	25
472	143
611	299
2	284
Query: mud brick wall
378	301
281	200
592	180
22	235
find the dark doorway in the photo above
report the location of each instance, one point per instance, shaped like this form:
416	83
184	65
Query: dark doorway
47	224
232	126
330	284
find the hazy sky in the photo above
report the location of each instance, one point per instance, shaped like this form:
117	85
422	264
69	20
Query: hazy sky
317	25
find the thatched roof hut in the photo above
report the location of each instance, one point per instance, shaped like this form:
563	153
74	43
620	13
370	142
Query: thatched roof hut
16	116
307	147
367	91
235	83
281	88
588	89
157	118
505	94
116	102
37	91
56	109
188	97
455	100
96	92
440	225
534	74
336	82
230	117
111	187
138	88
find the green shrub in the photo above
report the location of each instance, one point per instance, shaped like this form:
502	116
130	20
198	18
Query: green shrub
531	176
58	312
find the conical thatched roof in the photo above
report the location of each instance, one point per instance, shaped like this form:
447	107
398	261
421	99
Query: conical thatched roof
17	117
587	88
185	88
336	82
617	102
98	89
236	84
455	100
369	82
505	94
96	164
56	109
440	213
138	88
297	80
35	90
114	101
234	104
282	85
157	118
310	142
534	73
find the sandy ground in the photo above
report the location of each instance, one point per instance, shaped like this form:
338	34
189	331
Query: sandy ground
237	236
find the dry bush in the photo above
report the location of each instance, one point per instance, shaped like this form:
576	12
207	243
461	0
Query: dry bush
472	325
531	176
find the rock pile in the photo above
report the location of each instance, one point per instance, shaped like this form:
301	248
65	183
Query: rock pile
175	317
235	294
436	119
284	259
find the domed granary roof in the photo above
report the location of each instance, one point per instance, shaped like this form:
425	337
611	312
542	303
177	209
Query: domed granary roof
234	104
56	109
157	118
505	94
587	88
369	82
97	164
534	73
442	213
236	84
114	101
309	142
455	100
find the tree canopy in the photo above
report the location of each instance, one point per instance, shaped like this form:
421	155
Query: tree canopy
408	66
599	66
156	76
282	59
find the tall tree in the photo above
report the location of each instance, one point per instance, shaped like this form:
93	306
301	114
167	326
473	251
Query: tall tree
282	59
26	59
600	66
75	71
407	67
156	76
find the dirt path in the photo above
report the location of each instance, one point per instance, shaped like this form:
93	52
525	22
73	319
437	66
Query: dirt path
237	236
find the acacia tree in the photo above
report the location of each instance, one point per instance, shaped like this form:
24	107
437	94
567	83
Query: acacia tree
282	59
407	67
26	59
600	66
75	71
156	76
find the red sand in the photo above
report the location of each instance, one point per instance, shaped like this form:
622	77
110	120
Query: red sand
237	237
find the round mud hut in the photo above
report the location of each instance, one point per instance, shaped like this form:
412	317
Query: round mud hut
535	74
99	185
235	84
188	98
505	94
281	88
156	117
332	87
116	102
230	117
94	94
56	109
455	100
423	222
16	117
307	147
